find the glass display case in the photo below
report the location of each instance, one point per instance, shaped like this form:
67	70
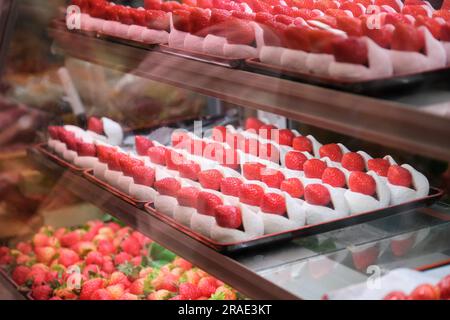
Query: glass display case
63	73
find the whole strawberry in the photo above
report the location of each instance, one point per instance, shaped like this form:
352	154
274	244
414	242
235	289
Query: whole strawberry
168	186
273	203
207	202
142	145
251	194
230	186
187	196
252	170
189	291
210	179
332	151
228	216
293	186
272	177
20	275
42	292
295	160
353	161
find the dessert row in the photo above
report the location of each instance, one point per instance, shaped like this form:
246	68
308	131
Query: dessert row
360	40
218	188
105	261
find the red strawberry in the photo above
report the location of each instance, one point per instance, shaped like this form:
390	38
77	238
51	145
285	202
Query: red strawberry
236	31
317	194
334	177
157	155
362	183
68	257
115	159
353	161
188	291
207	286
210	179
379	166
244	15
273	203
252	170
272	177
295	160
128	163
444	286
445	31
189	170
53	132
253	124
95	125
302	143
182	263
230	186
219	16
396	295
228	216
351	50
24	247
399	176
285	137
207	202
332	151
199	21
168	186
407	38
431	24
181	20
104	153
251	194
94	257
139	17
71	143
323	5
293	186
157	20
187	196
122	258
355	8
86	149
119	278
101	294
173	159
314	168
137	287
42	292
219	133
394	4
382	36
417	10
445	5
321	40
105	247
69	239
20	274
131	246
143	175
142	145
45	254
425	292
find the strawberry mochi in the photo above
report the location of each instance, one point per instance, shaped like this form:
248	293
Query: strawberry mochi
324	203
367	192
406	183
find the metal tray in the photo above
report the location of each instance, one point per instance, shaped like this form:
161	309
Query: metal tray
232	63
370	87
304	231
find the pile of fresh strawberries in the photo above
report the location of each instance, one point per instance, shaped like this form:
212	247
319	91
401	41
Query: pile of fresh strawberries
104	261
296	24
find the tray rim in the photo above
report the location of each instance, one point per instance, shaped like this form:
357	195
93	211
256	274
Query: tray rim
256	63
289	234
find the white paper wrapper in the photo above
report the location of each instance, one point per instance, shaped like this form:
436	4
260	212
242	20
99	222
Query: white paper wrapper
69	155
176	37
112	177
184	214
165	204
150	36
202	224
214	45
113	131
86	162
99	170
193	43
294	59
143	193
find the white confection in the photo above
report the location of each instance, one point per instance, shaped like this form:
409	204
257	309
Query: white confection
112	177
86	162
319	63
193	43
99	170
69	155
400	194
142	193
202	224
183	215
214	45
113	131
176	37
165	204
124	183
239	51
150	36
319	214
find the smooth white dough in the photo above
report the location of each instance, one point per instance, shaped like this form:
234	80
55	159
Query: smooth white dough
85	162
184	214
165	204
193	43
202	224
142	193
319	63
213	45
